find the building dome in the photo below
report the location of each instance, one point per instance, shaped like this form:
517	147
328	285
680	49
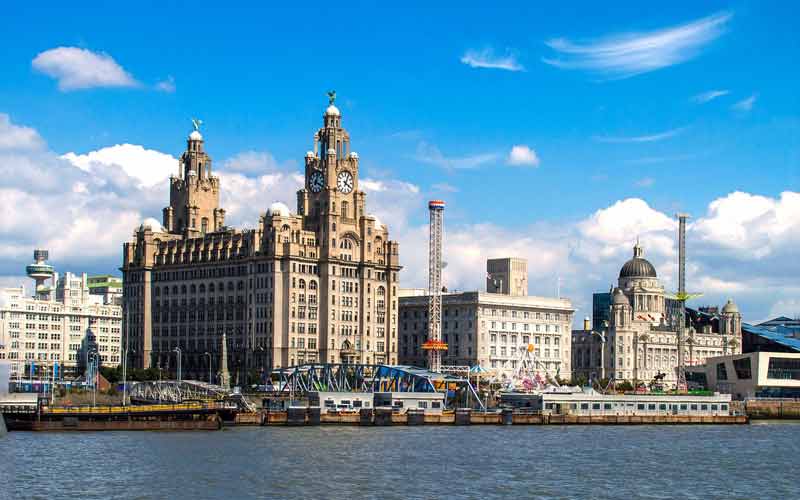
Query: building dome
619	298
279	209
152	224
638	266
195	136
730	307
332	111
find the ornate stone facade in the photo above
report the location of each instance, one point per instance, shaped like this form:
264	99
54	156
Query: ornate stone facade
316	285
641	339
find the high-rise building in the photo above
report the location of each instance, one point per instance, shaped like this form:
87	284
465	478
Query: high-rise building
508	276
317	285
107	286
601	310
59	325
491	329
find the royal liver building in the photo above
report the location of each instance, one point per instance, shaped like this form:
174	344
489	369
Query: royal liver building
318	285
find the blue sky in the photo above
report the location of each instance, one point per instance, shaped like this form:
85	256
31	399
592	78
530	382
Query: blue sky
711	111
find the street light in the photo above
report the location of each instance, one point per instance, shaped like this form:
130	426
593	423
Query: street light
209	365
93	356
178	351
602	352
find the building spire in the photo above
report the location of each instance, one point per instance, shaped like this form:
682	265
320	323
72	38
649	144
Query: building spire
637	249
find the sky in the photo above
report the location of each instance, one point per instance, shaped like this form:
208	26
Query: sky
558	133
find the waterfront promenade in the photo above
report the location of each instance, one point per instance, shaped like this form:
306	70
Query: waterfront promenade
547	462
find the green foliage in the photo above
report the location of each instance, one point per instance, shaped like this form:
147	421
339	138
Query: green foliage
624	386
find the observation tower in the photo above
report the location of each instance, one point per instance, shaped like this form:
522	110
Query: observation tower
40	271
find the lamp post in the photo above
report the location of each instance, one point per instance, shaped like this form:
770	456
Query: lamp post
94	358
602	353
209	365
178	351
125	362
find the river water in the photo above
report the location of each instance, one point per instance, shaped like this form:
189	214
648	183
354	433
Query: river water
652	462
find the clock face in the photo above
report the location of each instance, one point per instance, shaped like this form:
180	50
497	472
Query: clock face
316	181
344	181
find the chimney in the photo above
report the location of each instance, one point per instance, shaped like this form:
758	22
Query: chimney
587	323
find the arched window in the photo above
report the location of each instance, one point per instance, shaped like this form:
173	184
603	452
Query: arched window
203	288
211	287
312	285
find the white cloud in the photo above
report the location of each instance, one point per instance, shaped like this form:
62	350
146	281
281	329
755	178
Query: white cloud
77	68
522	155
17	137
251	162
148	166
709	96
486	58
660	136
746	104
626	55
167	85
445	187
428	153
744	246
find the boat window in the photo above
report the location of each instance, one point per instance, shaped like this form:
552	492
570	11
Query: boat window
651	406
724	407
662	407
683	407
693	407
704	407
422	404
436	404
329	403
356	404
606	406
345	402
584	406
713	407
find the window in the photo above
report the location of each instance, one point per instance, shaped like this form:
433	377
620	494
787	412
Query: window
742	368
422	404
722	373
606	406
783	368
662	407
640	406
595	406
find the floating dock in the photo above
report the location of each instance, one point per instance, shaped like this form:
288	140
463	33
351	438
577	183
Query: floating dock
387	417
29	414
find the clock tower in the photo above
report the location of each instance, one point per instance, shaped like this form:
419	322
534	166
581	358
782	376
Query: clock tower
331	201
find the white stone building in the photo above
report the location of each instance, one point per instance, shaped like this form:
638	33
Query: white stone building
641	339
58	326
492	330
